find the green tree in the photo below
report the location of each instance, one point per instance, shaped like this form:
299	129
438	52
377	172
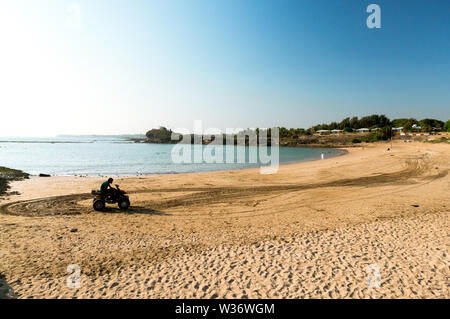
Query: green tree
405	123
344	123
284	132
333	126
429	124
447	126
354	122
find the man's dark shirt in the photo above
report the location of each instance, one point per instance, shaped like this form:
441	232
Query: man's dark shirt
104	187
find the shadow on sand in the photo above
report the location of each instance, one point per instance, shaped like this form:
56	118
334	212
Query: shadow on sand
135	210
6	292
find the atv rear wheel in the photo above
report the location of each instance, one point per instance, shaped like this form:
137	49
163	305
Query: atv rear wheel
124	204
99	205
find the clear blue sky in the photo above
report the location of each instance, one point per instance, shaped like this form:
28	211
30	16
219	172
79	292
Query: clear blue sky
129	66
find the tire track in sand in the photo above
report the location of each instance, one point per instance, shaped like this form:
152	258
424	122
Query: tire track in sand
198	196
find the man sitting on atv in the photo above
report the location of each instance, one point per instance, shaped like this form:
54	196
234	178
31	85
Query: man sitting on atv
110	195
106	189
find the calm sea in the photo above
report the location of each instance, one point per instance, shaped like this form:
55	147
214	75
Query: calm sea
115	156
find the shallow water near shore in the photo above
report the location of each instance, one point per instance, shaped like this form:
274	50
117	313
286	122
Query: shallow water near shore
98	156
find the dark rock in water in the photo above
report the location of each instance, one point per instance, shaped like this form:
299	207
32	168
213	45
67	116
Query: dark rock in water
73	230
44	175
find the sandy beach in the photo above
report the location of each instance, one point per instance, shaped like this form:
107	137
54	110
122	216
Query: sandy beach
313	230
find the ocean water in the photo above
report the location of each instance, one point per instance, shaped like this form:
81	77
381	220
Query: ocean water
115	156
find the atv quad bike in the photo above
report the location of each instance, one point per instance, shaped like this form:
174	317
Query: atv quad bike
114	196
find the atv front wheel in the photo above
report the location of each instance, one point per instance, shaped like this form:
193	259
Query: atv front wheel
124	204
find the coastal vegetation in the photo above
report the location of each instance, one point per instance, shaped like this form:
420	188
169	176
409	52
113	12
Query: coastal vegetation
426	125
447	126
352	124
351	130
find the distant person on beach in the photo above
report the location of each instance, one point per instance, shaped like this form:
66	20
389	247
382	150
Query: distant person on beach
106	187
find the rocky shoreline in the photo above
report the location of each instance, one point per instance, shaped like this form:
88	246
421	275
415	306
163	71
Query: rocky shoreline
8	175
